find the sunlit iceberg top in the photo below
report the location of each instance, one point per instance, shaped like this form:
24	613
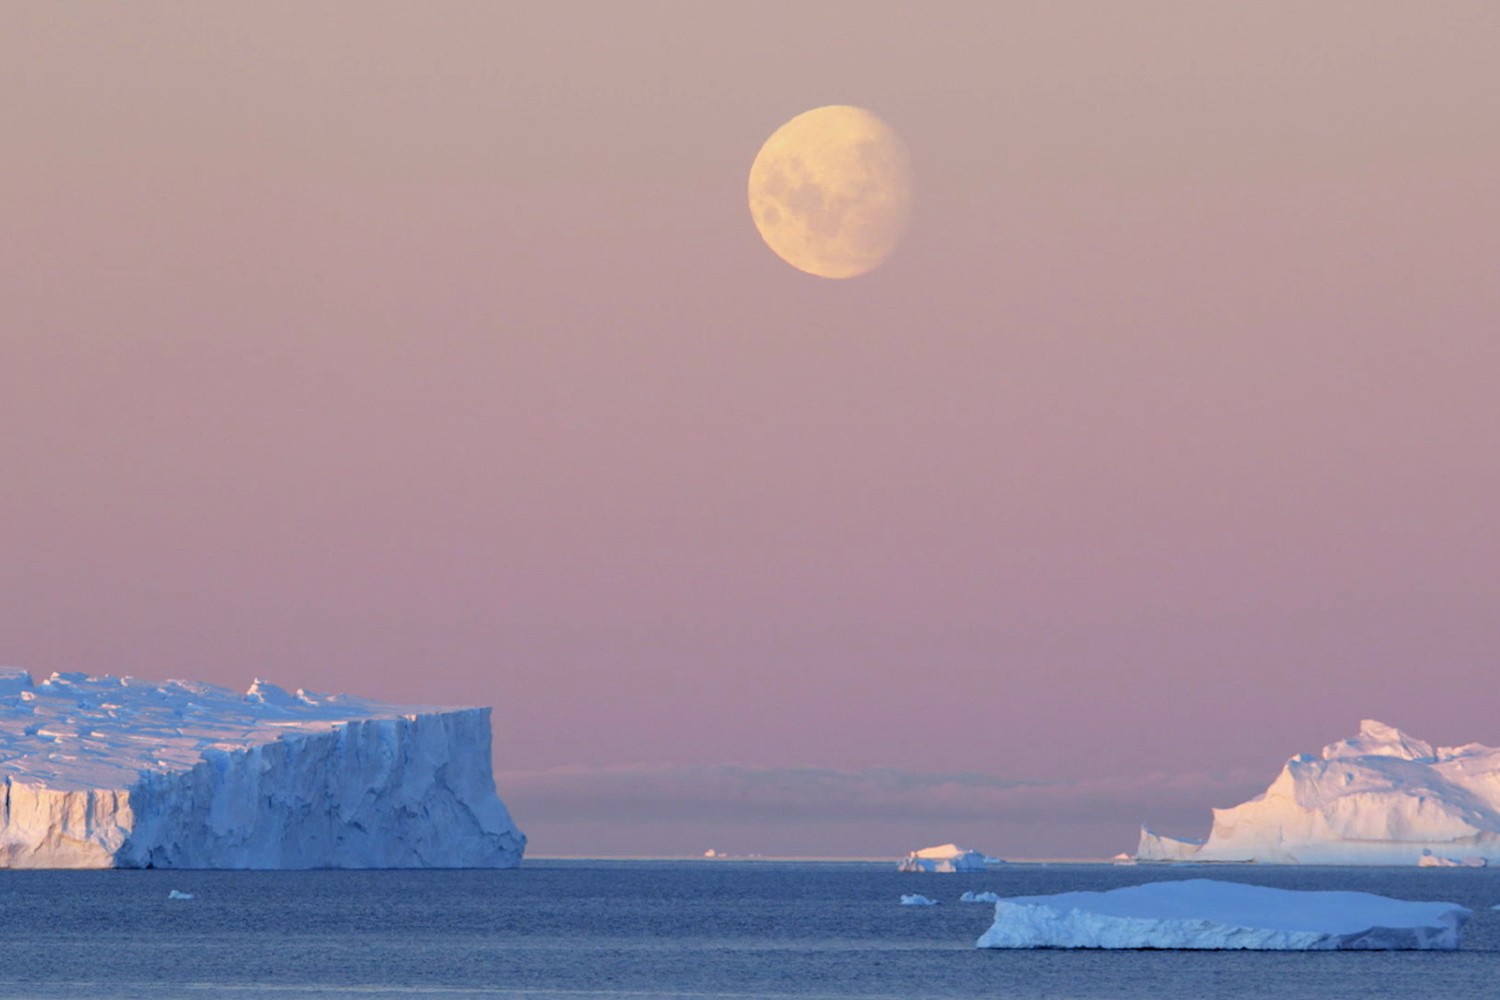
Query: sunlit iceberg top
1380	797
73	731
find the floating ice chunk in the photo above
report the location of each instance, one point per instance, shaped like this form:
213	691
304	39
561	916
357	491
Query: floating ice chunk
943	858
916	899
979	897
1208	914
1430	860
177	894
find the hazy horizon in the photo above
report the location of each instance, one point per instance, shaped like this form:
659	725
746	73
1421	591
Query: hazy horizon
429	353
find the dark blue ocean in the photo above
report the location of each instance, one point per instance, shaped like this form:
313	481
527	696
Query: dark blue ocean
643	929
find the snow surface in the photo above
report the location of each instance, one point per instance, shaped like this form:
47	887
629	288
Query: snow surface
1204	914
1381	797
917	899
118	772
943	858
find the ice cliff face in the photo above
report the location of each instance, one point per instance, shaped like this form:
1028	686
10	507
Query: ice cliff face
106	772
1379	798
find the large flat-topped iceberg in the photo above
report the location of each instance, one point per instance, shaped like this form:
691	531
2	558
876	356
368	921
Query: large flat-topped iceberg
104	772
1380	798
943	858
1204	914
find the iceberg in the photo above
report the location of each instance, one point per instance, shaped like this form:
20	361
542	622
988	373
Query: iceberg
944	858
1204	914
1161	847
1379	798
1430	860
917	899
179	894
979	897
117	772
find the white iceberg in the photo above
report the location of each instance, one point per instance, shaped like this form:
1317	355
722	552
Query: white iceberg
943	858
116	772
1163	847
1206	914
1430	860
979	897
179	894
917	899
1380	798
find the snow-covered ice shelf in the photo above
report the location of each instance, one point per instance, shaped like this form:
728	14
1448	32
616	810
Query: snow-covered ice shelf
1204	914
1379	798
103	772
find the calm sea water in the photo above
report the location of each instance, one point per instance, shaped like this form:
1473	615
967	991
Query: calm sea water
582	930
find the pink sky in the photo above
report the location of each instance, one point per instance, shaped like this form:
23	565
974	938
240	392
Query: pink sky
428	351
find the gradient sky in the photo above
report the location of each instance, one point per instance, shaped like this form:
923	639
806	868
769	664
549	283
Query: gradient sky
427	351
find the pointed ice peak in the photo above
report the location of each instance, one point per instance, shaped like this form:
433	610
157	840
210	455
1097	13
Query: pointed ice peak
267	693
1376	739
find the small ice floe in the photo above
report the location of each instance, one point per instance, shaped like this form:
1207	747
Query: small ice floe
979	897
178	894
1207	914
916	899
1496	907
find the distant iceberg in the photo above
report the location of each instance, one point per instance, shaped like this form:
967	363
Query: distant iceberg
1379	798
1203	914
979	897
1430	860
917	899
179	894
943	858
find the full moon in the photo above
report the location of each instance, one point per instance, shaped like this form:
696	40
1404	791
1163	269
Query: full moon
830	191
